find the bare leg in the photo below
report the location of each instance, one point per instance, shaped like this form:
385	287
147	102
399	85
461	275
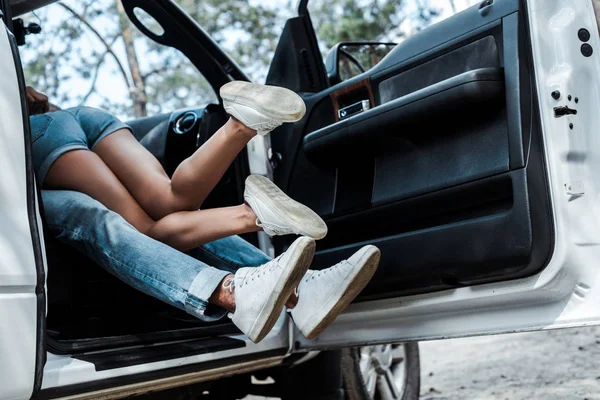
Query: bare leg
193	180
186	230
85	172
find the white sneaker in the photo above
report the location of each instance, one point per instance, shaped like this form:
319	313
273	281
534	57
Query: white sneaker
323	295
261	292
278	214
261	107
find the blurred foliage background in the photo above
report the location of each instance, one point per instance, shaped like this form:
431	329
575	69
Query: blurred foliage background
89	53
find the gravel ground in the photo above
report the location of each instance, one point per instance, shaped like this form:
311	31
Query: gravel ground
554	365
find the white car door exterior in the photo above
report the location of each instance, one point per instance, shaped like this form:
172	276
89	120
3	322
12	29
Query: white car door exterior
22	302
566	293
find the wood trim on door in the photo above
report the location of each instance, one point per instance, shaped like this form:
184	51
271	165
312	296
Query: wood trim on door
347	90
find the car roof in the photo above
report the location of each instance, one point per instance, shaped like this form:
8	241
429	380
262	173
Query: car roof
19	7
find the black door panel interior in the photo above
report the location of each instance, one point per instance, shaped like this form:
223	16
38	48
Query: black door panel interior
482	53
444	172
466	95
295	64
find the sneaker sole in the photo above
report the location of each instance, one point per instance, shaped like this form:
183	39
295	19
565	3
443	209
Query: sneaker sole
358	281
274	102
291	277
303	219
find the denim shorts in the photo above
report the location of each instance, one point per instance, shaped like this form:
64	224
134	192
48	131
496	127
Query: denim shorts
54	134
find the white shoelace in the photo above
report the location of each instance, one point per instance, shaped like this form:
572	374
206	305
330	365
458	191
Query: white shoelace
318	274
229	283
253	275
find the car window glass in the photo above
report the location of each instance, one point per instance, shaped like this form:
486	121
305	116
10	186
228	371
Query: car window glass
89	53
378	20
249	30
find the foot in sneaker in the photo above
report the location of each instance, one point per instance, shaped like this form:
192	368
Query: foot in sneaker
260	293
278	214
261	107
323	295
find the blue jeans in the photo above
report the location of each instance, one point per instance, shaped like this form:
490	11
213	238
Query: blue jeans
142	262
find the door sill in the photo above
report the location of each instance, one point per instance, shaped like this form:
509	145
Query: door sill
121	358
78	346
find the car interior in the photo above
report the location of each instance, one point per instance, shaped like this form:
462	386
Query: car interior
444	172
88	308
91	309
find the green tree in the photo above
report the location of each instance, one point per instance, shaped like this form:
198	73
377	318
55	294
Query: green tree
248	31
51	65
96	37
91	44
377	20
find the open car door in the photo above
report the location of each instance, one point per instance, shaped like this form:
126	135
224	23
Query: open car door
22	277
475	171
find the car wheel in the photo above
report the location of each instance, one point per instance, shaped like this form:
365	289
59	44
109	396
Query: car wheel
382	372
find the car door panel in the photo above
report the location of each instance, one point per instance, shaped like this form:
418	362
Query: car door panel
403	117
477	236
433	173
481	53
22	267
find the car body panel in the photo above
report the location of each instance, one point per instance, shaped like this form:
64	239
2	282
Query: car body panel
119	390
18	272
66	375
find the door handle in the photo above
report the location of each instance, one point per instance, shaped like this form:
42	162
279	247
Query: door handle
486	7
354	109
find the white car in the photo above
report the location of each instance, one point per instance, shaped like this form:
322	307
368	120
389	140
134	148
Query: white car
470	155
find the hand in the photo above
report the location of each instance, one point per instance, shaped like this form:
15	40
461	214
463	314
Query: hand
38	102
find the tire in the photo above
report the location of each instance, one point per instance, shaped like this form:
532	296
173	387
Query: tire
316	379
376	361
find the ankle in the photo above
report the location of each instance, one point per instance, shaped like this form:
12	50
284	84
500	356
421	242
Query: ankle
224	297
237	128
249	217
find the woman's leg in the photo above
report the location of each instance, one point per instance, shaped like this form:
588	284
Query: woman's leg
192	181
185	230
253	109
84	171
